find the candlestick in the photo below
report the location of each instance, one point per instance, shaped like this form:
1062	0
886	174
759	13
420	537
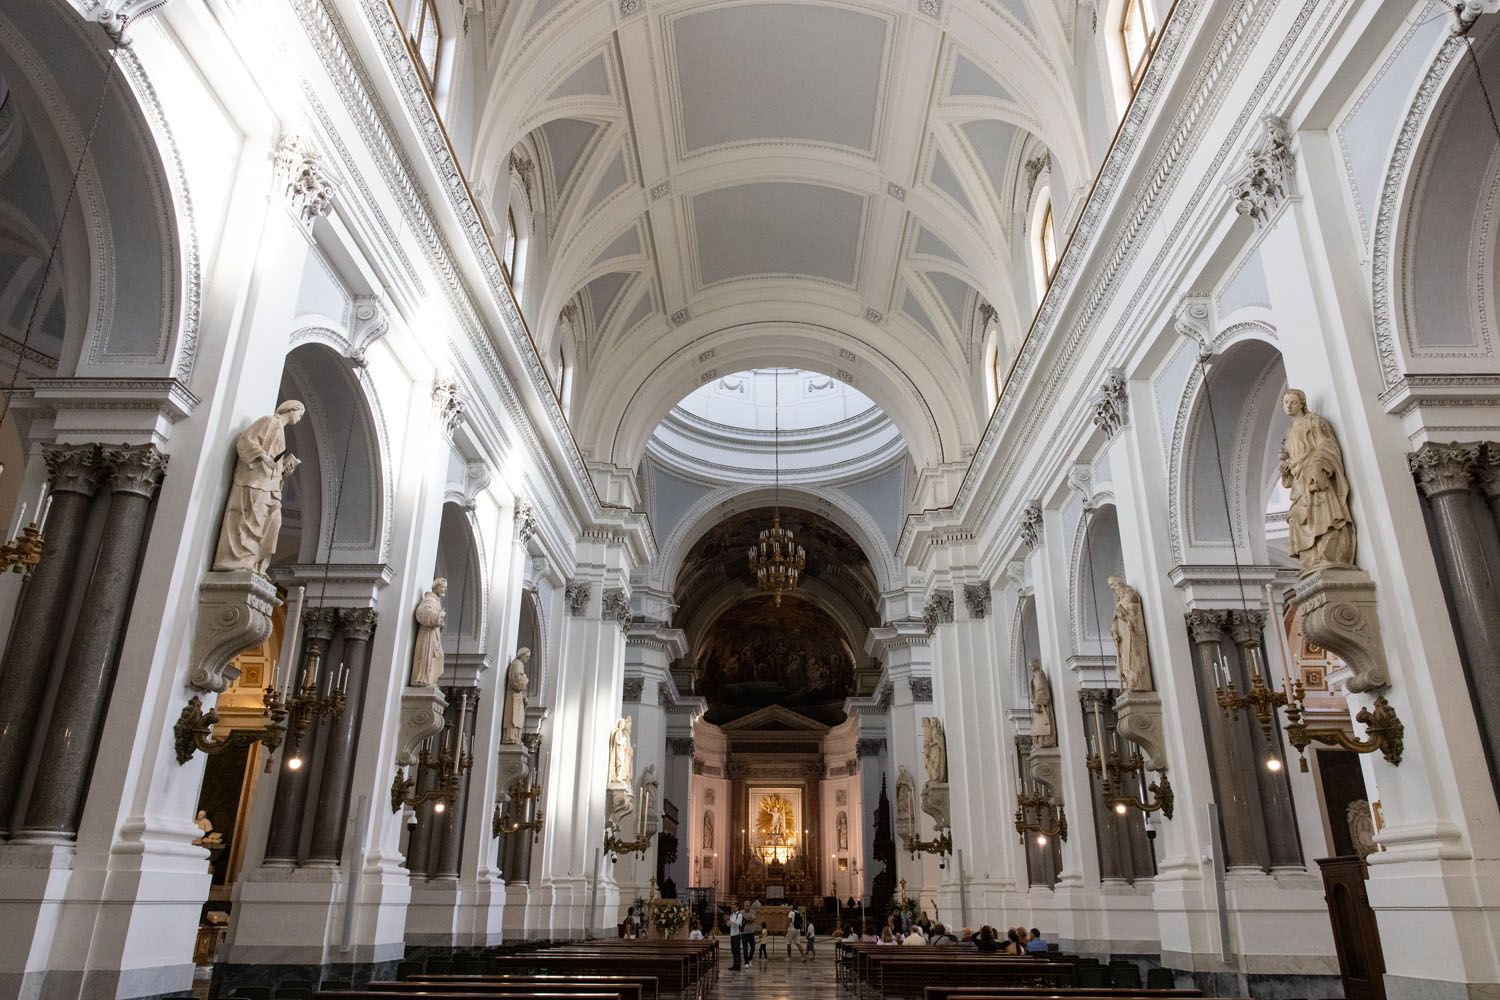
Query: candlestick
1099	739
46	509
41	497
21	518
1283	646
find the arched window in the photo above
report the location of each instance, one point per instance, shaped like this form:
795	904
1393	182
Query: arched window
1137	36
426	39
564	379
1047	243
512	246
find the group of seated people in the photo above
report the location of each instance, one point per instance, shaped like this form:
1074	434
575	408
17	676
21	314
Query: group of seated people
902	929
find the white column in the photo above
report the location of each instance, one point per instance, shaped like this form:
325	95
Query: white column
649	651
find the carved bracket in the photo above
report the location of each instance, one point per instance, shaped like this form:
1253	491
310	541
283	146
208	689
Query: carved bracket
1338	613
234	614
1045	767
515	765
935	803
1138	718
421	716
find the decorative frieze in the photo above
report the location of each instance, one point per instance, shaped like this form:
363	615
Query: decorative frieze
633	688
617	608
921	689
1111	404
977	599
1031	524
939	610
576	596
304	183
1267	177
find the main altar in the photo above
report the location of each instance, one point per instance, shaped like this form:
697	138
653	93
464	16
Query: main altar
775	858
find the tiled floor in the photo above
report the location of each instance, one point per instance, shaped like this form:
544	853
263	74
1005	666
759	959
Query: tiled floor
780	979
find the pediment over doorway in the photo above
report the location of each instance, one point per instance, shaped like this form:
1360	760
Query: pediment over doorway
775	718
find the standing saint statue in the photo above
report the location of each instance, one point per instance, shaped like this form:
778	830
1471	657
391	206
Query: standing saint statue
843	831
650	788
1320	527
513	710
934	749
708	831
252	517
1043	722
1128	629
621	756
906	800
427	656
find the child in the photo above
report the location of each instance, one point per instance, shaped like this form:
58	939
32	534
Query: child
812	935
761	938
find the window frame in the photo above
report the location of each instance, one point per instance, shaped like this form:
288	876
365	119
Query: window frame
425	14
1136	61
510	246
1047	243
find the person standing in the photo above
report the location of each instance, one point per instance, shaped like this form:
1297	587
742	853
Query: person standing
747	934
812	938
794	933
736	931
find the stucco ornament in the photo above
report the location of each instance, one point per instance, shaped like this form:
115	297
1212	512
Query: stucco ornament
1128	629
513	712
252	517
427	656
1320	527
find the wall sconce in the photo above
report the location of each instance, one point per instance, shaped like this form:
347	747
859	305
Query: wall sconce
525	800
449	763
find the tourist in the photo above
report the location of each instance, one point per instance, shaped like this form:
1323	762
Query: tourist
850	936
736	930
915	937
747	941
1038	944
940	935
794	933
985	941
696	934
812	938
886	937
1013	944
761	939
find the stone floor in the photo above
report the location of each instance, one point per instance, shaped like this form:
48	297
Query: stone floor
780	978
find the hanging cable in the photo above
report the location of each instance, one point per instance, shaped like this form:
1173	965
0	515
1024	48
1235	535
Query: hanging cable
36	303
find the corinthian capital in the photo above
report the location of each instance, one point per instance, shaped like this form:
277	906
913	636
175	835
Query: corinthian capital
358	623
135	469
1206	626
74	468
1444	468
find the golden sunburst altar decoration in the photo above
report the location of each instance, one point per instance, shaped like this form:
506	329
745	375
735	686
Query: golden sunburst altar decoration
776	829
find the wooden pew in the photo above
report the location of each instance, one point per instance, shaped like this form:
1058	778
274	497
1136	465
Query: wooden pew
647	987
1059	992
675	974
627	989
539	993
894	972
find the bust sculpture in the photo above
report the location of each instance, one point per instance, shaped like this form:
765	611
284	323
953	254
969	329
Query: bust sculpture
427	657
621	755
252	515
513	711
934	749
1128	629
1043	722
1320	527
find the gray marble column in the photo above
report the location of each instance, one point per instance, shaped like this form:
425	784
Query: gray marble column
88	672
1230	760
291	785
1487	473
74	472
450	856
418	854
1106	829
1445	473
1280	819
356	625
515	849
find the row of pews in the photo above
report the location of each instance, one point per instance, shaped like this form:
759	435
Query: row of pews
593	970
959	972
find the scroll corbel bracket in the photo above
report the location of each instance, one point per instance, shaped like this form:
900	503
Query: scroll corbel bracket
1337	606
1044	764
422	711
234	615
1138	716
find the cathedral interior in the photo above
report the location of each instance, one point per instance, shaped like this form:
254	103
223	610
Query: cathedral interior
492	487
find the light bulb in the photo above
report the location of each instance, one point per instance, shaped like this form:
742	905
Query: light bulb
1120	808
1041	840
1273	764
437	808
294	762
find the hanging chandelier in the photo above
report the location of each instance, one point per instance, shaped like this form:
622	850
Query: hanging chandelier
776	560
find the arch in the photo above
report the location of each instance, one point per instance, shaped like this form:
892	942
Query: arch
825	502
1097	556
1246	381
531	633
460	560
341	439
1026	645
135	311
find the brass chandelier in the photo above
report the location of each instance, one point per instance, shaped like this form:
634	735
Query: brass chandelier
776	560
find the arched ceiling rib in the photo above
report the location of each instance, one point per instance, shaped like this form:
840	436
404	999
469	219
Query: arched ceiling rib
782	165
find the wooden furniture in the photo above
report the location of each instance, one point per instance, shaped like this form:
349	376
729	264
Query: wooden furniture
1355	934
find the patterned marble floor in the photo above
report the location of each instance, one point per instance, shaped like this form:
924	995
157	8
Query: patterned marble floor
780	979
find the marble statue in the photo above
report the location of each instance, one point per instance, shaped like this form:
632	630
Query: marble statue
621	755
1043	721
843	831
427	656
1128	629
252	516
906	799
708	831
650	788
513	711
1320	527
1361	828
210	838
934	749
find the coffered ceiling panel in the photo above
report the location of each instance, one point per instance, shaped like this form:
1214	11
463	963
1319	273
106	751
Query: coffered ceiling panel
779	71
777	229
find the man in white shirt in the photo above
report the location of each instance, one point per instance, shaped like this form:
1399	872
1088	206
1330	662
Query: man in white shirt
736	928
915	937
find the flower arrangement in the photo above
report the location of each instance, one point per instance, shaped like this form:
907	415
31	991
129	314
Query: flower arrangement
668	918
